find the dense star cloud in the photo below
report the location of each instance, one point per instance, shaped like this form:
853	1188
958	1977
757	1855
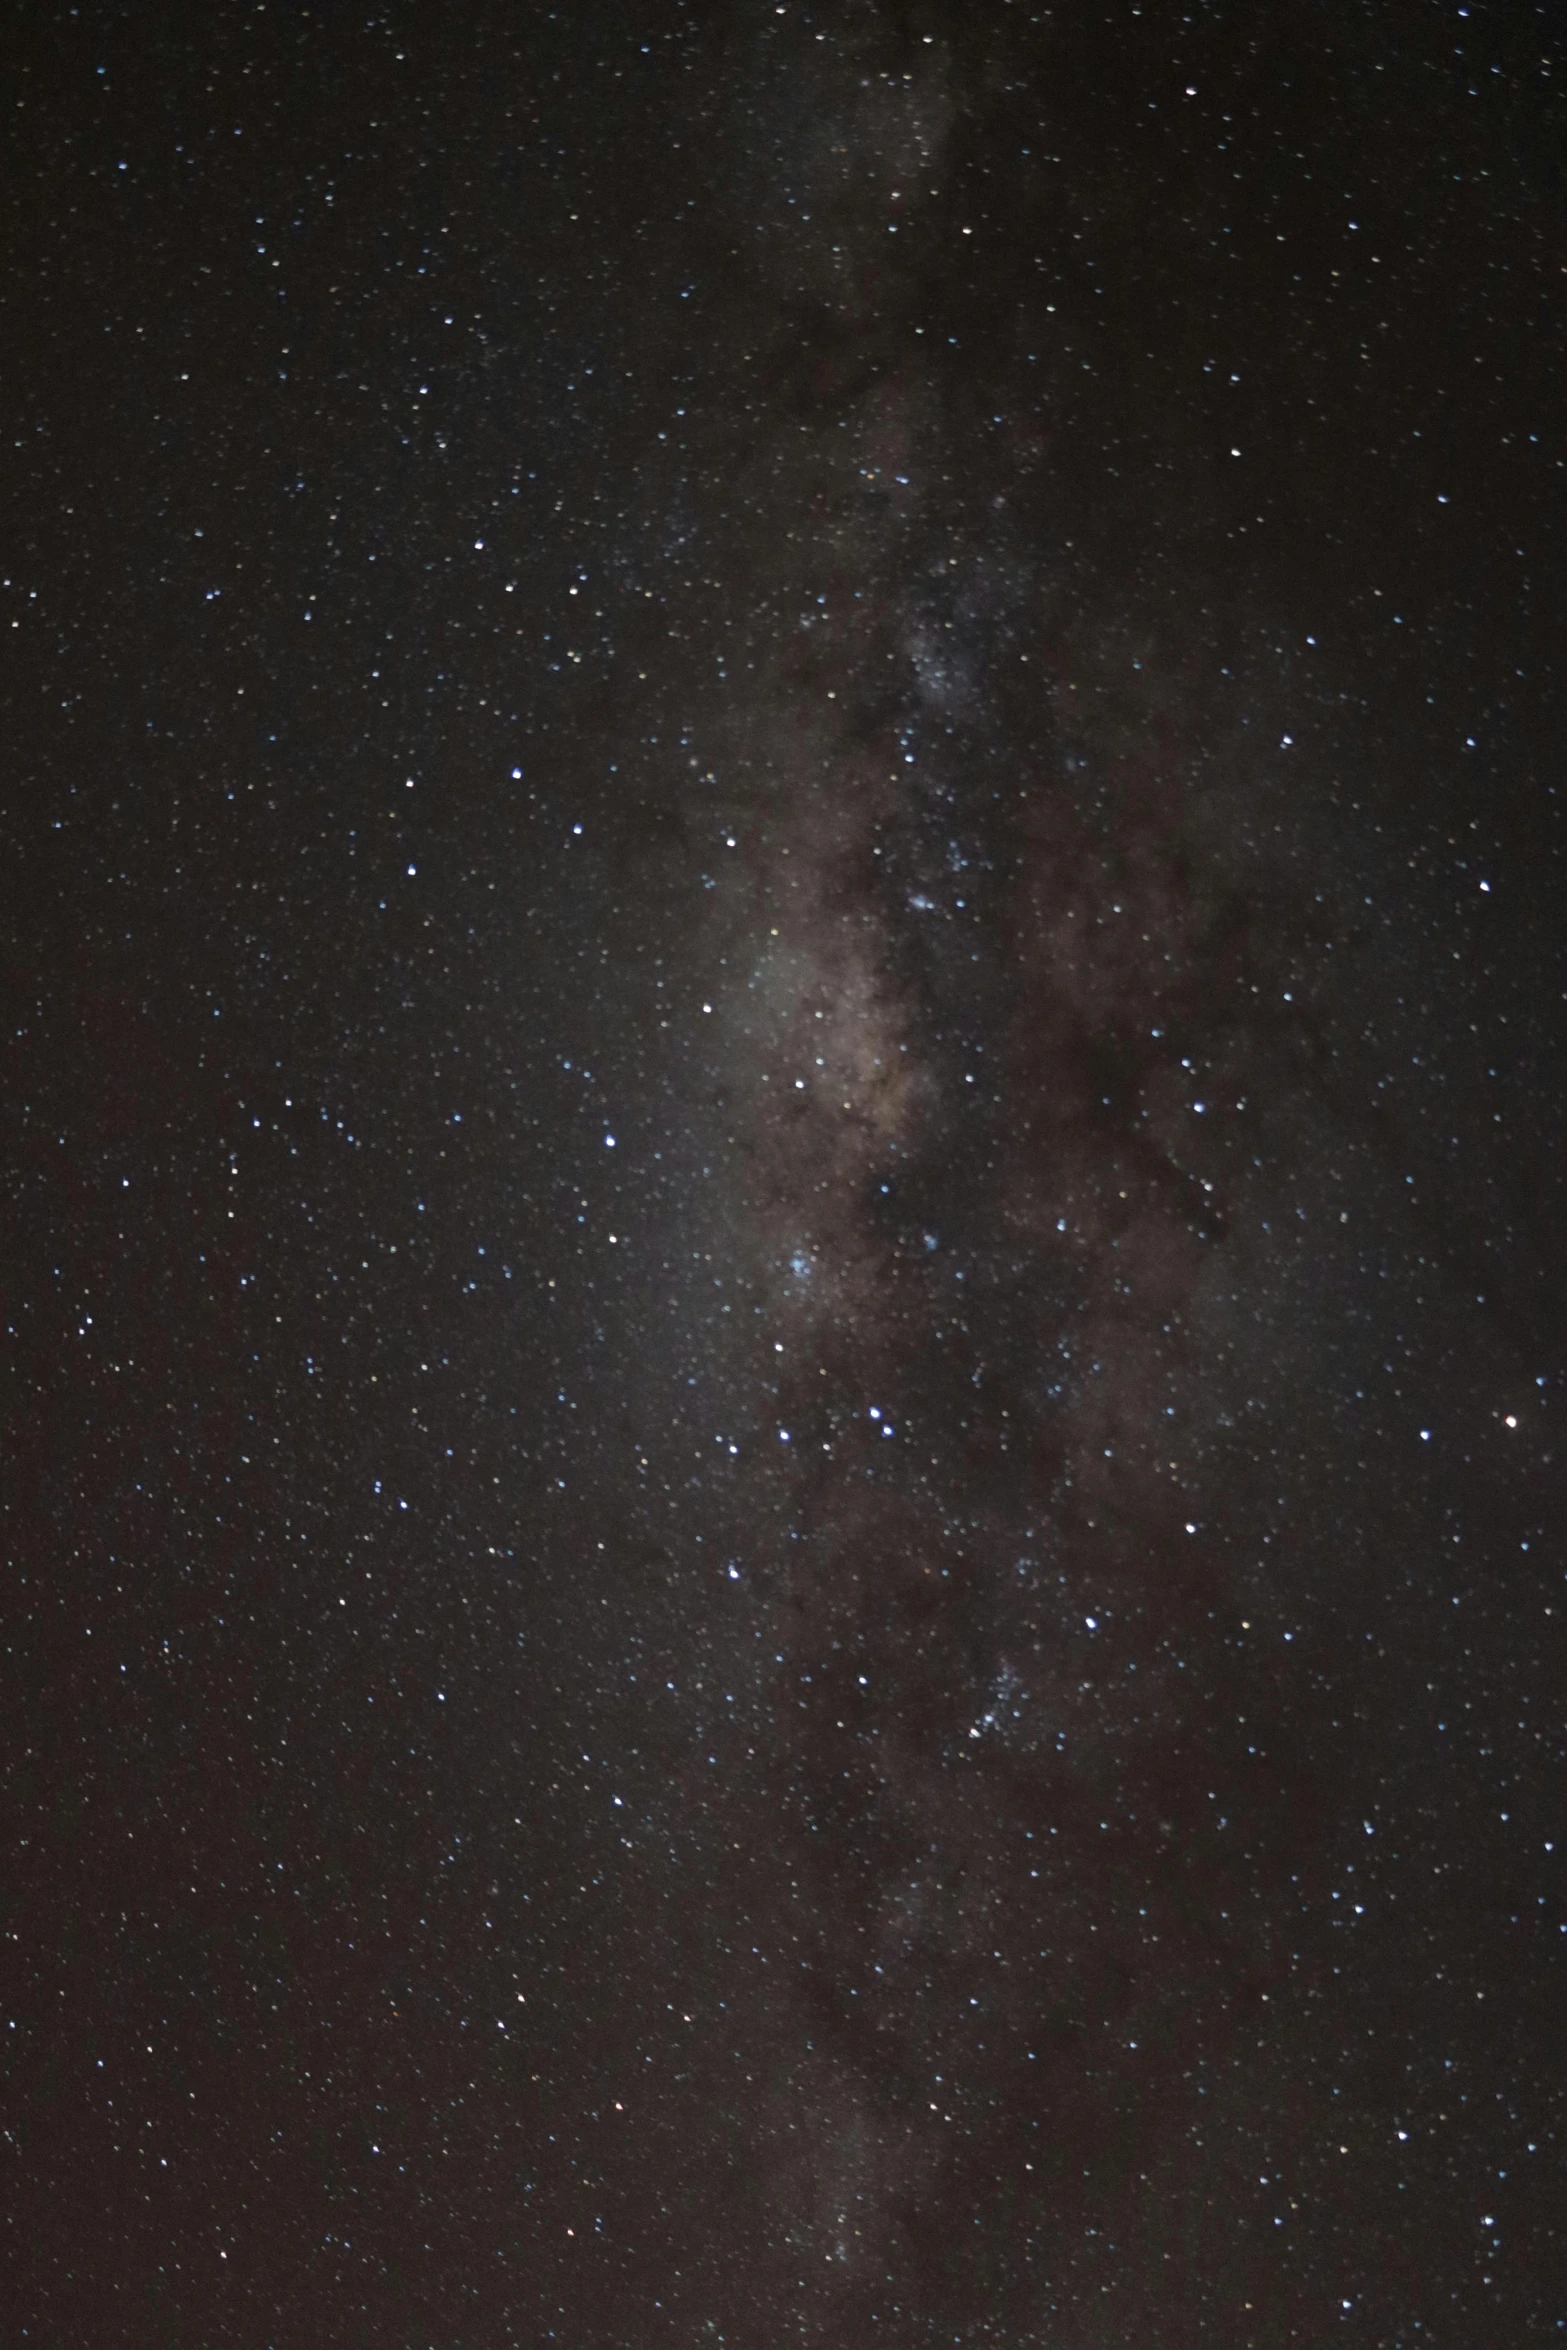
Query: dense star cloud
785	1138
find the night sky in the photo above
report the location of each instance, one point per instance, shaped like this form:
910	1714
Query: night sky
784	1175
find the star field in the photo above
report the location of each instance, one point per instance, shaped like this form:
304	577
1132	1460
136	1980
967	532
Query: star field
784	1095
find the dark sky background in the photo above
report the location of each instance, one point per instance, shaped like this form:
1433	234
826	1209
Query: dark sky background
783	1146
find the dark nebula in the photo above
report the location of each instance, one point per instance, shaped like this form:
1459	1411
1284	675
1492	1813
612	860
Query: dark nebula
784	1163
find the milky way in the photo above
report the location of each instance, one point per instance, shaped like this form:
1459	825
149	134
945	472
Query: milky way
1015	813
789	1086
